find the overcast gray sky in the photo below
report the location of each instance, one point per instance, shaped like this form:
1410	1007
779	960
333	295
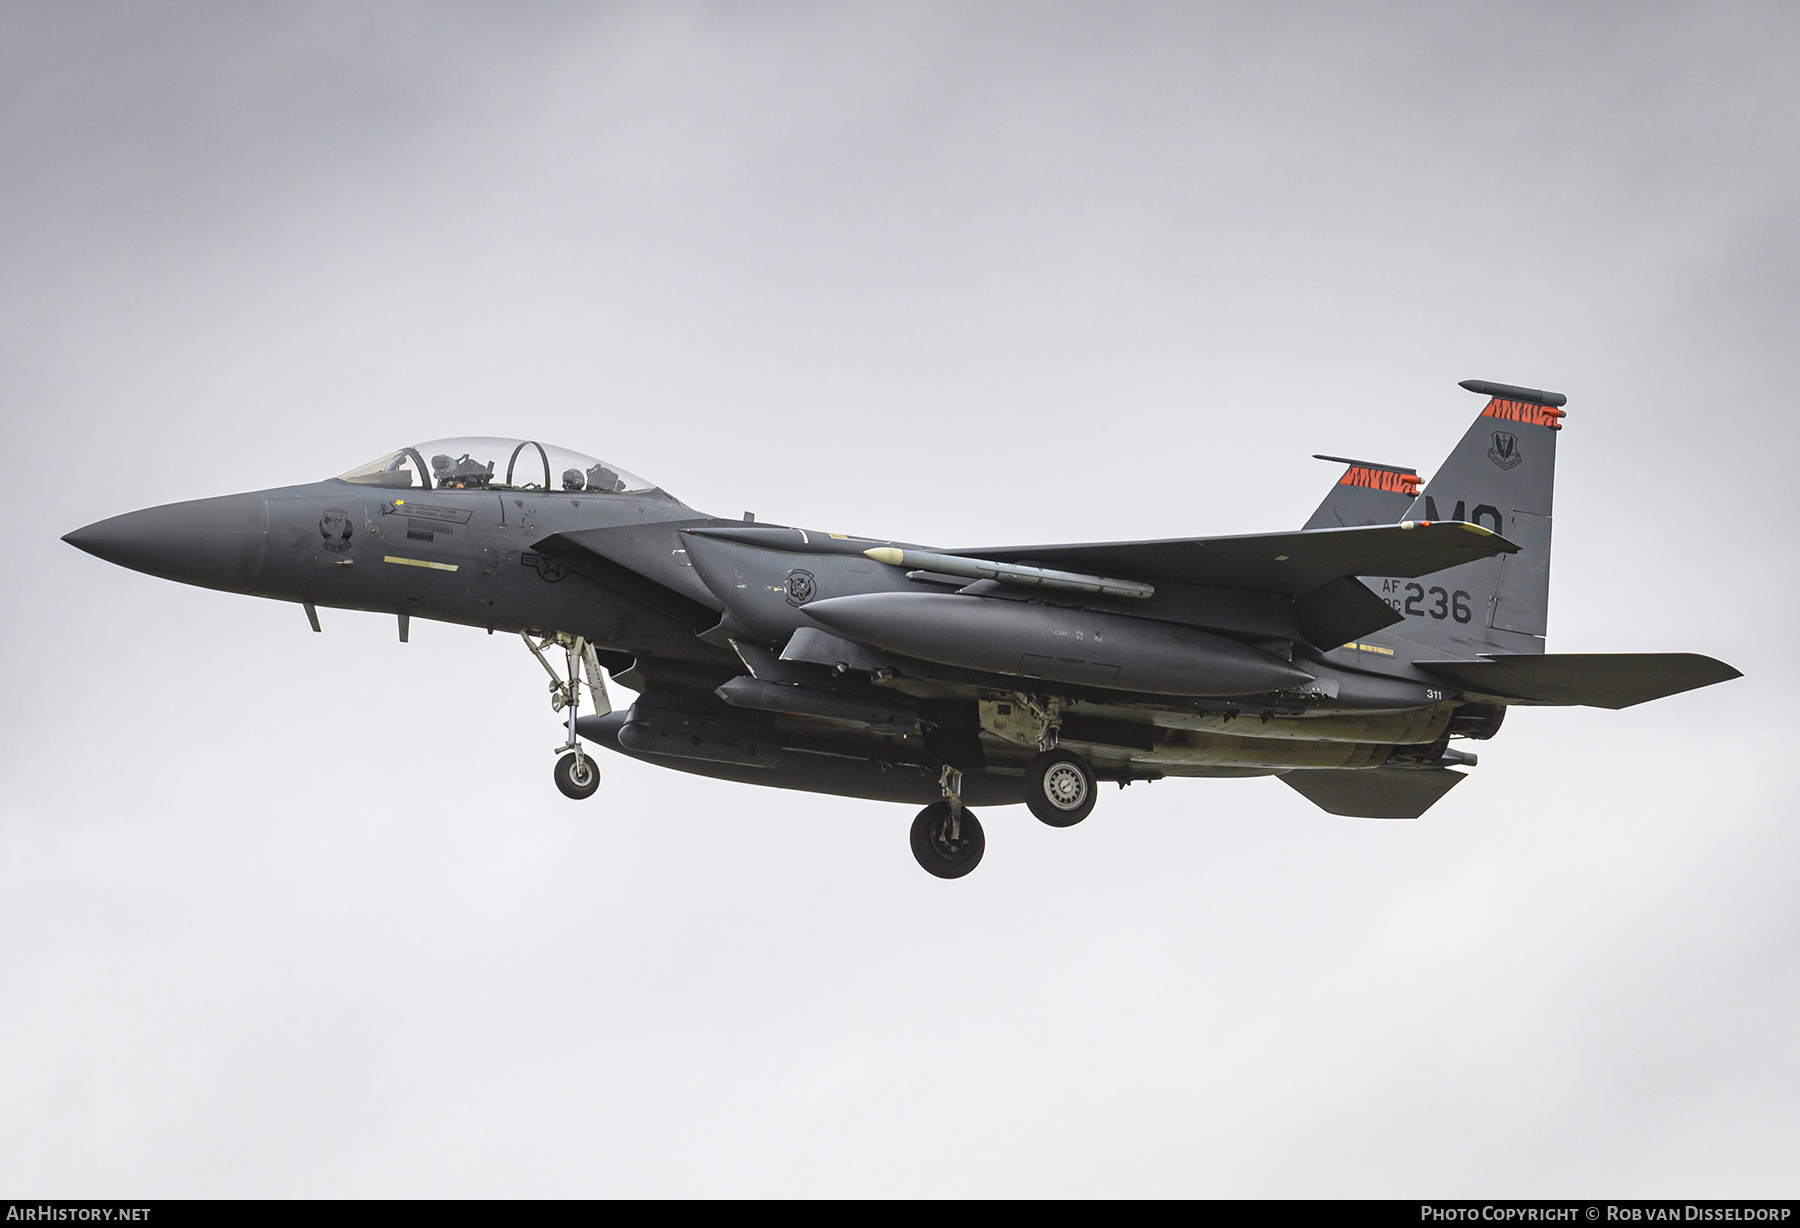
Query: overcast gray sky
295	914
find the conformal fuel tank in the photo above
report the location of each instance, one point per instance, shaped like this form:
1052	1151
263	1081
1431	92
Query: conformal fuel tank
1055	643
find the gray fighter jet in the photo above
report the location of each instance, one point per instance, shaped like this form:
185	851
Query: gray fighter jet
1344	659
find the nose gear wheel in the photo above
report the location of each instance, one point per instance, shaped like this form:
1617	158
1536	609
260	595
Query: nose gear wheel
577	776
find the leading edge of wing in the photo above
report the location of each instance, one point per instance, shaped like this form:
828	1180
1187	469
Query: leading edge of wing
1290	563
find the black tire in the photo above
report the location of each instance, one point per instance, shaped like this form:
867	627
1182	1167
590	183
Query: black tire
938	850
1060	788
577	781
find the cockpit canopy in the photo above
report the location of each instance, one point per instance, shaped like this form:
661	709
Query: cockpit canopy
484	462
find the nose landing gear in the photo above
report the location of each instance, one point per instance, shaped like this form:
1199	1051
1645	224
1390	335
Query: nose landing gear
577	775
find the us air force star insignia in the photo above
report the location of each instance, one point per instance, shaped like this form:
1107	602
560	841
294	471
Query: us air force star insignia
548	569
799	587
1505	452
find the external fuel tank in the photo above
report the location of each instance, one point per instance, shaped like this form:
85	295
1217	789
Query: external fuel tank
1056	644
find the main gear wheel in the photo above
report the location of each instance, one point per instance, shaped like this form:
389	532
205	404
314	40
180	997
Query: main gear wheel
1060	788
947	840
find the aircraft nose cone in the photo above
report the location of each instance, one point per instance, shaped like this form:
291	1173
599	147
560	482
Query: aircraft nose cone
214	543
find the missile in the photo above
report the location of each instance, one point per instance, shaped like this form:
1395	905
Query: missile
1008	573
1056	644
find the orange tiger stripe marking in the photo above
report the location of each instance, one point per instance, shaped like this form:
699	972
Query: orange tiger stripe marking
1521	411
1381	479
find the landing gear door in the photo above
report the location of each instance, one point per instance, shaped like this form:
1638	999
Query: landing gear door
596	681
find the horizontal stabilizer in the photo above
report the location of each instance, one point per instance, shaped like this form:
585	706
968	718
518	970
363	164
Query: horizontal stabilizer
1594	679
1290	563
1374	793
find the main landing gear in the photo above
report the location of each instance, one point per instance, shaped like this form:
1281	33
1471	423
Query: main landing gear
577	775
1059	784
948	840
946	837
1060	788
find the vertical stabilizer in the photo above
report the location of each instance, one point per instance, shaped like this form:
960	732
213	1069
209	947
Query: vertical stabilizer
1502	477
1368	493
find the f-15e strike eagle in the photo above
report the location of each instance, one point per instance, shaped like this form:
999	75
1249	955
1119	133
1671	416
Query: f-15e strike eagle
1344	659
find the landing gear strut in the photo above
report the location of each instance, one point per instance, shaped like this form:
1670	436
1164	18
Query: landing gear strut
577	775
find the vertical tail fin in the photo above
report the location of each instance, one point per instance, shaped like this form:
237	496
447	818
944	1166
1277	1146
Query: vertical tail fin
1501	476
1368	493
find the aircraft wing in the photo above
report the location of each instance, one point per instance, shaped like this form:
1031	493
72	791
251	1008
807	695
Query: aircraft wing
1291	563
1594	679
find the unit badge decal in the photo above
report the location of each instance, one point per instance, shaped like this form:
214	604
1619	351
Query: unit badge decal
1505	452
336	530
799	587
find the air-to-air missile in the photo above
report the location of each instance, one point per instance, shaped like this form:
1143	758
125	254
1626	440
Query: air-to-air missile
1343	659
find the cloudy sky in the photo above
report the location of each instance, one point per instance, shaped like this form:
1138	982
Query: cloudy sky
295	914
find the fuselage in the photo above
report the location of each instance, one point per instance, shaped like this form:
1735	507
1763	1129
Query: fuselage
1191	682
1343	658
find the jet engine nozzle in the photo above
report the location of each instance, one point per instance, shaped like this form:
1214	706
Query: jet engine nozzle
213	543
